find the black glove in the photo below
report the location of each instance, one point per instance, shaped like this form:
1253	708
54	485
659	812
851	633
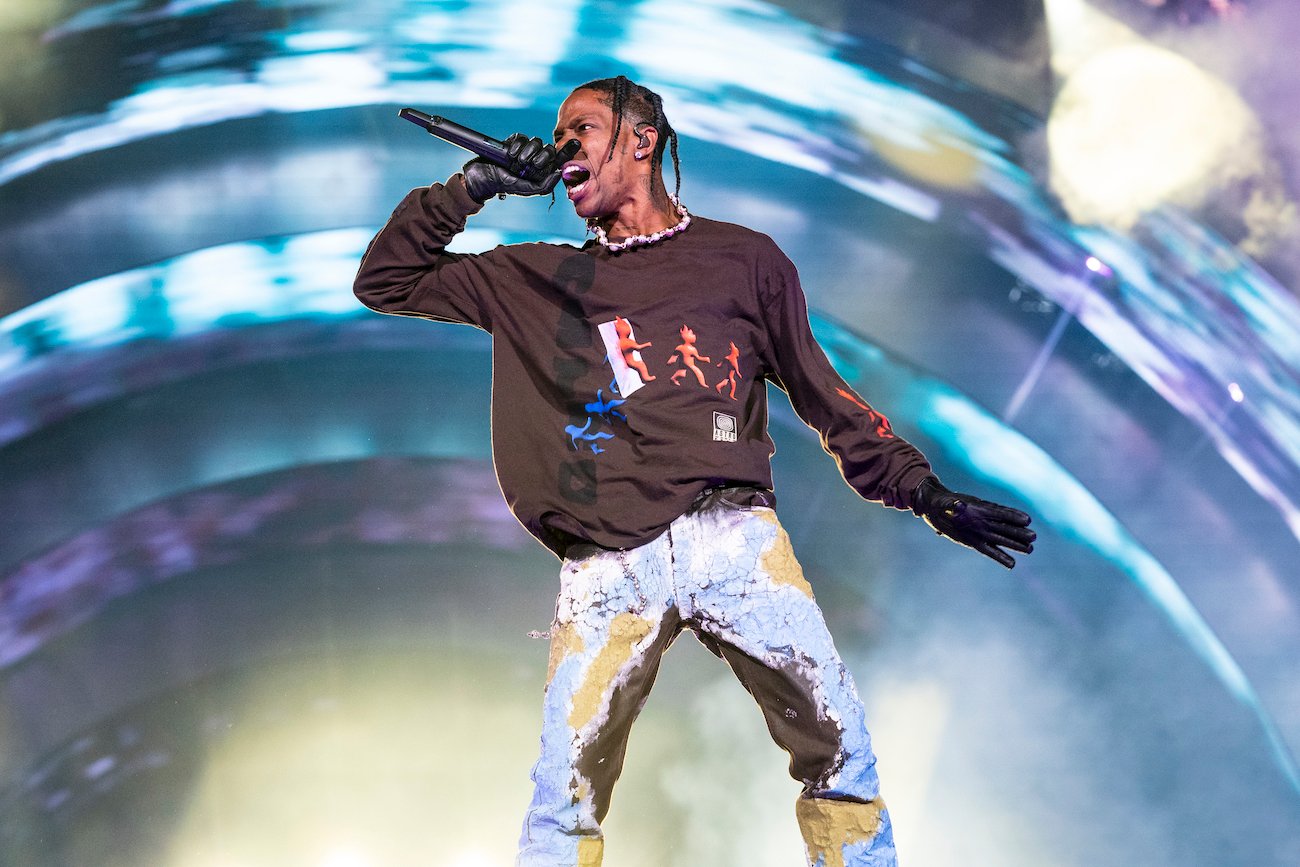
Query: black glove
975	523
483	180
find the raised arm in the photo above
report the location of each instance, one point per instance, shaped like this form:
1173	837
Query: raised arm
407	270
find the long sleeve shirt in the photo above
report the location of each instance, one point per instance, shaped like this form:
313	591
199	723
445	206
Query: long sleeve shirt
624	384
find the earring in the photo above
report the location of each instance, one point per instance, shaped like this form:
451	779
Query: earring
640	155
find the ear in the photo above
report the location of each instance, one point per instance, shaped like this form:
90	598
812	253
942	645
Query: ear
647	136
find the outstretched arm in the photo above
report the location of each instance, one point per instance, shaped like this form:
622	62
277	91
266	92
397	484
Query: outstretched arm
875	461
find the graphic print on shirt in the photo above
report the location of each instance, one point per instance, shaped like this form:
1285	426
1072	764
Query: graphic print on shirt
631	374
883	429
622	351
724	427
733	358
689	355
598	411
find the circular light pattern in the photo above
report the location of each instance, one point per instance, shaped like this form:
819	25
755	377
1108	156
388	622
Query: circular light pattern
1137	126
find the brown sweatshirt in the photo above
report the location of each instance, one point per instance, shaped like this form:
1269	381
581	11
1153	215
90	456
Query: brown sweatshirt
624	384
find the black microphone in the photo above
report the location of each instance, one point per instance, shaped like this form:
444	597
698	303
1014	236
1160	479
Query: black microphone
485	146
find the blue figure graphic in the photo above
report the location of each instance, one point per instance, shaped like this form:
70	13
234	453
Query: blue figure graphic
600	410
605	408
580	433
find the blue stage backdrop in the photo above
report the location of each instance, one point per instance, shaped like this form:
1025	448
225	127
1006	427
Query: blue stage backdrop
261	603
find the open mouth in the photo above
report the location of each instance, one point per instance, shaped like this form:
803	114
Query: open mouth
575	177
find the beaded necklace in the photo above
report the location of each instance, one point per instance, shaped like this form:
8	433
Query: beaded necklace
645	240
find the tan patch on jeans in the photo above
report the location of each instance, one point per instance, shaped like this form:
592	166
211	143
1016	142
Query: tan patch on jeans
829	825
591	851
625	633
565	641
779	563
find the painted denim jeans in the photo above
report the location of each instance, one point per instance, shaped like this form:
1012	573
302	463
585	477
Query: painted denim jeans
729	575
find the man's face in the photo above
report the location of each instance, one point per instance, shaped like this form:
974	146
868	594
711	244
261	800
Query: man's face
597	188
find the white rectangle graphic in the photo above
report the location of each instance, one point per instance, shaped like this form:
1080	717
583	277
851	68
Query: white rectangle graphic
628	379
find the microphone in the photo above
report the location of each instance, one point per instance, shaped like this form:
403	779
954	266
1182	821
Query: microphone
485	146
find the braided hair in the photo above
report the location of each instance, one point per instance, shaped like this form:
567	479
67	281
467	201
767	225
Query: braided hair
638	104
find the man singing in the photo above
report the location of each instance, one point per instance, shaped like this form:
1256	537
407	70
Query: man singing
629	434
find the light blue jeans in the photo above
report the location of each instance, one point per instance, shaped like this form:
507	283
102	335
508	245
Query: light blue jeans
728	573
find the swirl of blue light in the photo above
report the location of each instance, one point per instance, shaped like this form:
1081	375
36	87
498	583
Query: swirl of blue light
1162	313
308	276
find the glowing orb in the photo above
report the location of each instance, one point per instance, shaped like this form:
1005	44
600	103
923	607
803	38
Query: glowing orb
1137	126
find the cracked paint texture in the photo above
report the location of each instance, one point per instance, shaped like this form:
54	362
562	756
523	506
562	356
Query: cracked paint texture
729	574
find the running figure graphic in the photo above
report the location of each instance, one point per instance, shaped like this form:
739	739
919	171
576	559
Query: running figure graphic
689	355
628	346
734	358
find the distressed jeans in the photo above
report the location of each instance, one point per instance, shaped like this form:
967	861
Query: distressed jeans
726	572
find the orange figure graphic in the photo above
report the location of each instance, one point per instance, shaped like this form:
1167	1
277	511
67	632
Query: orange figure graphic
883	428
628	346
690	355
734	357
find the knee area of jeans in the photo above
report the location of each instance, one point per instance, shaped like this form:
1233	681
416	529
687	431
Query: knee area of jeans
845	832
855	777
580	852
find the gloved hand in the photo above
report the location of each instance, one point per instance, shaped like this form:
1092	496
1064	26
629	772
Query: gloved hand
975	523
483	180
